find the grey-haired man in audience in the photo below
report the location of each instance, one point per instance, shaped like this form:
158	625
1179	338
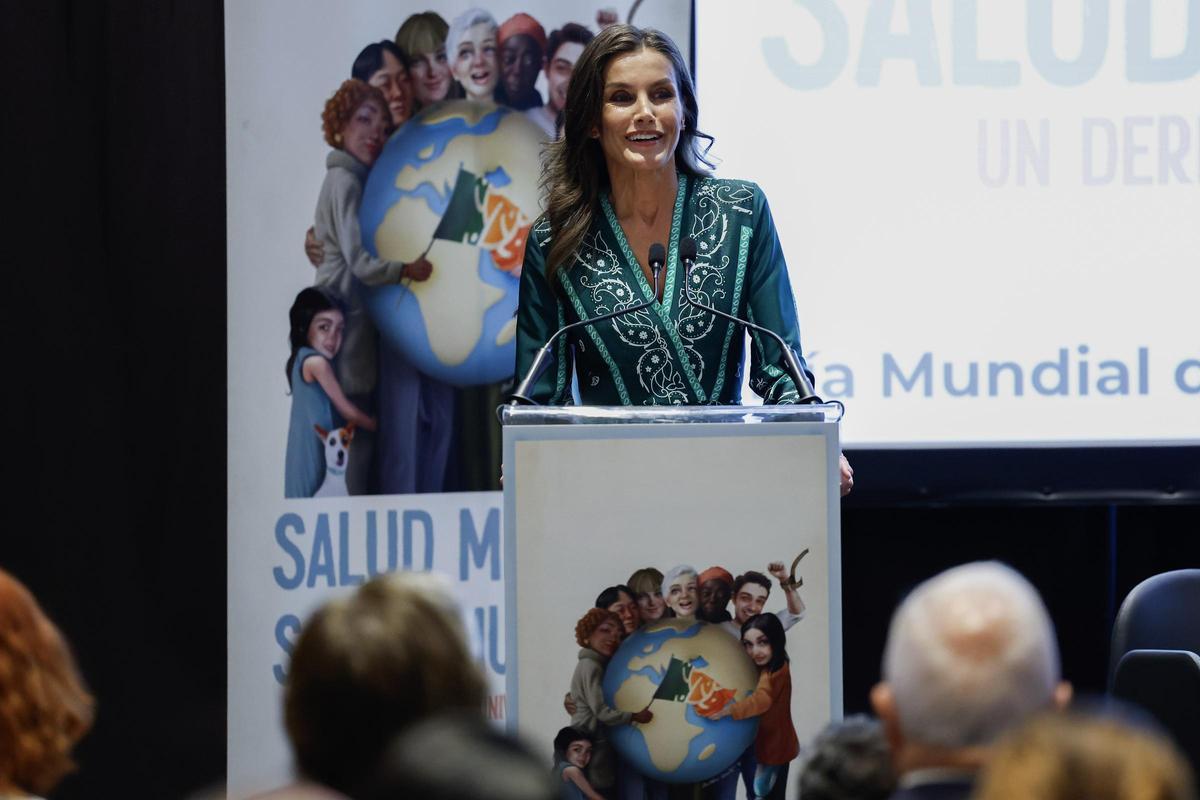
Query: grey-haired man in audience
970	653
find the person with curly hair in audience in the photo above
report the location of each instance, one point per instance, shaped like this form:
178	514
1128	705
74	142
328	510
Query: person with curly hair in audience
44	706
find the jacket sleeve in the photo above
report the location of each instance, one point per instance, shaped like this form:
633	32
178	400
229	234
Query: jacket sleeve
347	197
539	314
771	304
758	702
593	696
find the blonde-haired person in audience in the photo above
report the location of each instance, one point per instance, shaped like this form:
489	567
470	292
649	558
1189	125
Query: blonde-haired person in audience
1068	756
368	666
970	654
44	707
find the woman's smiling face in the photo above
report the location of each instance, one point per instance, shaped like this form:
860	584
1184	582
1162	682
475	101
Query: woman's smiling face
641	115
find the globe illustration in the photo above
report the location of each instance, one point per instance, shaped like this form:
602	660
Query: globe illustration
680	669
457	184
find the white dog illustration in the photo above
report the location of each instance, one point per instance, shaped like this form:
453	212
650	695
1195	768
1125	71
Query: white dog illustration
337	456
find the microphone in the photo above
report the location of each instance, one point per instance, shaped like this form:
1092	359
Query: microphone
687	254
656	260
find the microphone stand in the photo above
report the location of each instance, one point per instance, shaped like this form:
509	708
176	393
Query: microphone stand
520	395
804	387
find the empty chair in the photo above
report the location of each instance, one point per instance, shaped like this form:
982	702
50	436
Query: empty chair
1155	656
1160	613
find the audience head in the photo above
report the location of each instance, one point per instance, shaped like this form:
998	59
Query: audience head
750	592
680	588
44	707
1072	755
716	588
367	666
970	653
620	600
455	756
849	760
646	585
599	629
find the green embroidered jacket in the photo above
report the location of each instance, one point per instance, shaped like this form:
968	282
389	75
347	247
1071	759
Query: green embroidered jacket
672	352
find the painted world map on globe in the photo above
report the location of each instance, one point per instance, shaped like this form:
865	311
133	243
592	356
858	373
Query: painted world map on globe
457	184
680	669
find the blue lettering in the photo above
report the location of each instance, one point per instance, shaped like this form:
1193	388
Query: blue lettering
1092	176
1018	377
839	381
1040	33
919	44
345	576
489	631
1057	368
923	371
1141	66
292	521
972	387
969	70
320	560
286	629
1117	382
1143	370
372	544
476	548
825	69
411	518
1083	370
1181	376
1171	154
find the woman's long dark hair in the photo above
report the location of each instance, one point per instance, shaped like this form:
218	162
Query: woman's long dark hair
308	304
772	628
575	175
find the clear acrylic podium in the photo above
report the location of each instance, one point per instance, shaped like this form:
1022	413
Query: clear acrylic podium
593	493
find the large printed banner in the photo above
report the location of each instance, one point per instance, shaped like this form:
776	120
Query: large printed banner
375	238
292	557
989	207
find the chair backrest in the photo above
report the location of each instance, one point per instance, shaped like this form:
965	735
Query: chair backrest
1165	683
1161	613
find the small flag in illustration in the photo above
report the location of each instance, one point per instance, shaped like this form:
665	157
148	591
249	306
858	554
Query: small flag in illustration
480	214
674	686
706	694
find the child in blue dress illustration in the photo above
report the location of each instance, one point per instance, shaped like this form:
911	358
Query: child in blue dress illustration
317	398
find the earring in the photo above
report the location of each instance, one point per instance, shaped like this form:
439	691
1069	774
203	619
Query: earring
337	137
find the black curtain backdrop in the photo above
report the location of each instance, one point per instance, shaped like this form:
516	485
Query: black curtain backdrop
115	113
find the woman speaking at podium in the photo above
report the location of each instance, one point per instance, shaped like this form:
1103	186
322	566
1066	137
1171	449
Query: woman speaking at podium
627	173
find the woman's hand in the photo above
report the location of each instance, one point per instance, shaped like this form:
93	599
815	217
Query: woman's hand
313	248
418	270
847	474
